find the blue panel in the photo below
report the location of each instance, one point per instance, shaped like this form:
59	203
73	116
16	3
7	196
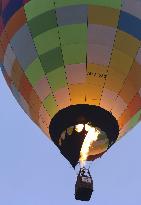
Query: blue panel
11	8
130	24
72	15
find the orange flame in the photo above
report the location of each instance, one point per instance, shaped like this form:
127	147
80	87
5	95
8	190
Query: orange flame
91	136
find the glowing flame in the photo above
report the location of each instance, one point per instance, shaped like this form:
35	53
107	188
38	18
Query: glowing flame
79	127
91	136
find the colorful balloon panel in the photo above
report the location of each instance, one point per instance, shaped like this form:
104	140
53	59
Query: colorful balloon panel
59	53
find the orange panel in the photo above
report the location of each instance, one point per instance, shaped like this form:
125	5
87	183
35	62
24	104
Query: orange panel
4	41
125	117
25	105
77	94
34	115
34	101
124	130
16	73
1	54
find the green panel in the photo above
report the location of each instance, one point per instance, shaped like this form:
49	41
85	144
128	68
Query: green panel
57	78
47	41
42	23
108	3
50	105
74	53
34	72
36	7
52	59
73	34
135	119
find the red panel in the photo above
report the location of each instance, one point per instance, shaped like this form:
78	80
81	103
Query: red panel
25	1
25	87
135	105
1	25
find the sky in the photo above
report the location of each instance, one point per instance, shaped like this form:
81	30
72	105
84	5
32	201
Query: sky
33	172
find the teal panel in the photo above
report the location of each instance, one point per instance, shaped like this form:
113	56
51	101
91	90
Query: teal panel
52	60
42	23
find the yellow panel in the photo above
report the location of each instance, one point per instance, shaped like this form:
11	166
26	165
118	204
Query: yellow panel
103	15
96	74
127	43
77	94
115	80
121	62
93	93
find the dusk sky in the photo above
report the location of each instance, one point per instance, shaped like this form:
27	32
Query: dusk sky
33	172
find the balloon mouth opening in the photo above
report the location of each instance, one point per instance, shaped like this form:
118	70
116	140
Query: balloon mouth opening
95	141
83	132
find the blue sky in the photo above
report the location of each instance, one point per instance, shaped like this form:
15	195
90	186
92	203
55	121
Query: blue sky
33	172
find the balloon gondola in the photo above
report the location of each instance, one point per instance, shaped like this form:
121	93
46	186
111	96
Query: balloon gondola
84	185
75	69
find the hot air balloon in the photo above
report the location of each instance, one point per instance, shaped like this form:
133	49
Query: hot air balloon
74	66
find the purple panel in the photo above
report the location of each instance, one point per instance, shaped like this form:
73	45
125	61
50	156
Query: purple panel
102	35
76	73
133	7
20	42
42	88
10	54
138	57
99	54
72	15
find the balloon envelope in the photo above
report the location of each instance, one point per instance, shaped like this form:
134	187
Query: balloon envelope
54	54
